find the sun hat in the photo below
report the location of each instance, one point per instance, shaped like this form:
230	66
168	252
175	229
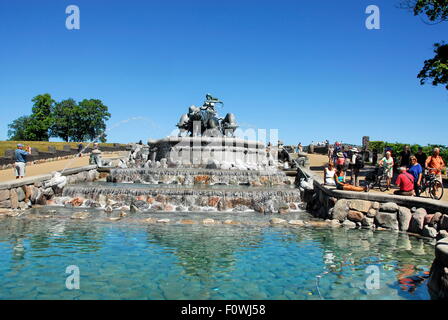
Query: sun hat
354	150
20	145
340	154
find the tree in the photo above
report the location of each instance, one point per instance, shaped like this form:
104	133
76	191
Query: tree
437	67
436	11
65	120
40	119
18	129
81	121
93	114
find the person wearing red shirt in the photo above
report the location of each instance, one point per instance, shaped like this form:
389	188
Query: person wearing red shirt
405	181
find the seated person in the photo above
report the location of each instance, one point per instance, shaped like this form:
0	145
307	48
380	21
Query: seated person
339	179
405	181
329	173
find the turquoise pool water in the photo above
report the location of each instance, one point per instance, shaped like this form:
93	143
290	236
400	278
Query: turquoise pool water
135	261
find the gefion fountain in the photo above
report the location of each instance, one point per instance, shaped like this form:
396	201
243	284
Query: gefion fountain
204	168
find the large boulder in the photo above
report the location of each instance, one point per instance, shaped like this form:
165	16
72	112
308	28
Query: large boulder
435	219
389	207
349	224
360	205
368	222
355	216
387	220
442	234
34	194
417	221
443	223
14	198
372	213
404	218
20	194
4	195
340	210
5	203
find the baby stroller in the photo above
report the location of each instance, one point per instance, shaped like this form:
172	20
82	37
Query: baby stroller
377	178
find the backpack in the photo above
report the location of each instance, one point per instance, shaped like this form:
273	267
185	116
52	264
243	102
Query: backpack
359	164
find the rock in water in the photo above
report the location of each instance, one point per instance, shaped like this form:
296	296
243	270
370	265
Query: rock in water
404	218
229	221
429	232
277	221
80	215
368	222
340	210
299	223
208	221
349	224
387	220
435	220
417	221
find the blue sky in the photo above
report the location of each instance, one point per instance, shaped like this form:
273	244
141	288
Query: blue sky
310	69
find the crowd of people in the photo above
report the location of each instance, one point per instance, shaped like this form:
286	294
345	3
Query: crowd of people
411	169
410	173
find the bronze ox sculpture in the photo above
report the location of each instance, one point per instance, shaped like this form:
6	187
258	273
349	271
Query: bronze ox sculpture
200	121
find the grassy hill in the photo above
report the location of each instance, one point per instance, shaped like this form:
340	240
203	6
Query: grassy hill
41	145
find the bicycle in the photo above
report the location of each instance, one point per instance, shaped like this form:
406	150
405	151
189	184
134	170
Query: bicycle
377	178
432	186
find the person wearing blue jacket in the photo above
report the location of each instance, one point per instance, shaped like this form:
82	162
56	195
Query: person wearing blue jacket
20	160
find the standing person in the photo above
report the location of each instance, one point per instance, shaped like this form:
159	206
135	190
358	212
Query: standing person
20	160
405	157
80	147
421	157
95	156
299	148
388	165
336	150
330	152
406	183
357	164
416	171
435	164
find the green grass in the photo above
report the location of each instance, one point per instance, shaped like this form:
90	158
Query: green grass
42	145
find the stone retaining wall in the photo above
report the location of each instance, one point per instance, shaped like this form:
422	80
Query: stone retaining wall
22	193
426	217
7	163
